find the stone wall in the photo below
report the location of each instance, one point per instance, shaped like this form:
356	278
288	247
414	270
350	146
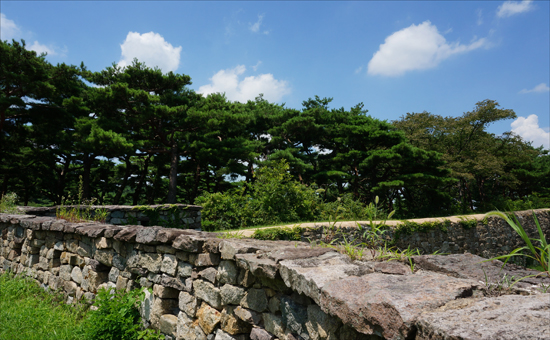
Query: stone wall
206	288
167	215
490	238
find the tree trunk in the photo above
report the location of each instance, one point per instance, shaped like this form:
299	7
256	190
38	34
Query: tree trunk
127	174
87	168
137	192
173	178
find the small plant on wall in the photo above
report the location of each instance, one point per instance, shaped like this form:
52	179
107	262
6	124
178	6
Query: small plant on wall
81	210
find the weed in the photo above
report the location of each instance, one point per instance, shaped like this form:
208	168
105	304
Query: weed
467	223
8	204
279	233
540	253
502	286
82	211
228	235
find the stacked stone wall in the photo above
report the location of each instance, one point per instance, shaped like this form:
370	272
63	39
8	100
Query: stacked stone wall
487	238
167	215
201	287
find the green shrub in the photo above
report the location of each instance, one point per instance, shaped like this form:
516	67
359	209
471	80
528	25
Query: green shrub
117	315
279	233
8	203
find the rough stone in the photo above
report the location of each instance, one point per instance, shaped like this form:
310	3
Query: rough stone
161	307
204	260
221	335
508	317
274	325
255	299
184	269
105	256
320	325
294	316
189	330
392	267
208	293
231	295
227	272
113	274
388	305
76	275
173	282
168	324
150	261
169	264
260	334
147	235
259	266
165	292
208	318
248	315
209	274
309	276
468	266
231	324
188	304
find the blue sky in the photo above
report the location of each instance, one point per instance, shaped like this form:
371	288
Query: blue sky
394	56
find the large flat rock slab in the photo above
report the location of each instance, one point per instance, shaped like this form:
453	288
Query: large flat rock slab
389	305
308	276
468	266
509	317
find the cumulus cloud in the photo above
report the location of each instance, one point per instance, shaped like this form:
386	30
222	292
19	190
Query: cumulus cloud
540	88
509	8
39	48
150	48
229	82
8	29
417	47
528	128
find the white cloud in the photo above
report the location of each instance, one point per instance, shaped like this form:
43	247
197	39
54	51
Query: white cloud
528	128
255	67
255	27
509	8
228	82
417	47
479	17
358	70
39	48
540	88
8	29
150	48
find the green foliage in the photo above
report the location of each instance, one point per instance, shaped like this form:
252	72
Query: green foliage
117	315
8	204
229	210
409	227
82	210
467	223
279	233
538	252
27	312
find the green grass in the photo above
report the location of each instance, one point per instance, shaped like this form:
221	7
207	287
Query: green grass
27	312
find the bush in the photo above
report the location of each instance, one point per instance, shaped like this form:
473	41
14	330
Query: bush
273	198
117	315
8	204
278	233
